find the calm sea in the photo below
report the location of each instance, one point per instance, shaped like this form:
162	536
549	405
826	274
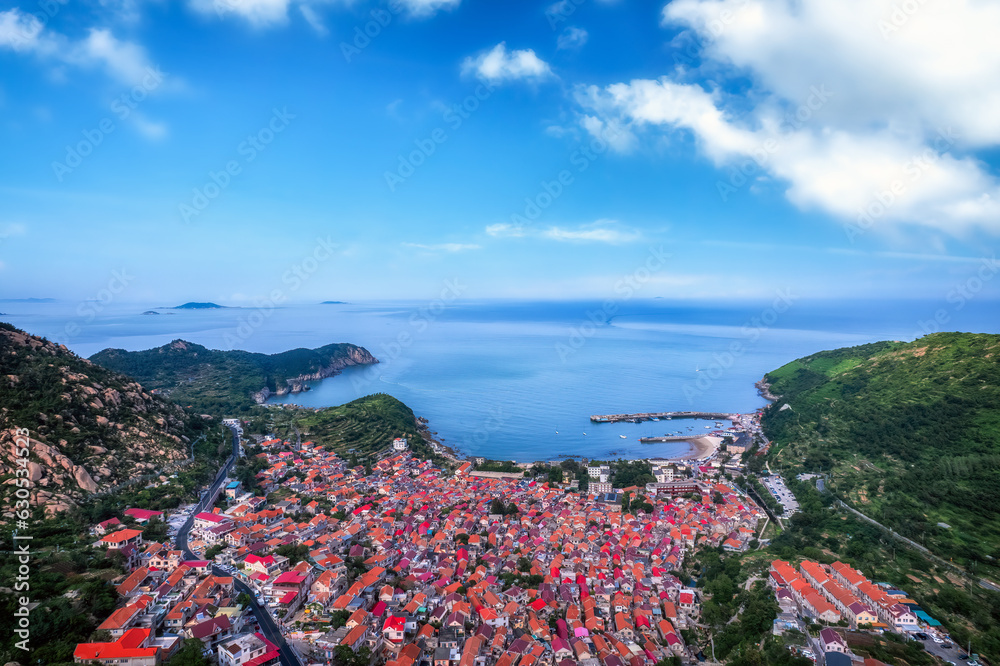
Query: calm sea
519	380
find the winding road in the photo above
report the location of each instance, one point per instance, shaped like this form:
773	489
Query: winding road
268	626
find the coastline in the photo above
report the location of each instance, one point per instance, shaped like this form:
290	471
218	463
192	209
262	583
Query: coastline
701	447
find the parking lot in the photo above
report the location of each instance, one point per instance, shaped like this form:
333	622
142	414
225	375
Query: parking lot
945	650
776	486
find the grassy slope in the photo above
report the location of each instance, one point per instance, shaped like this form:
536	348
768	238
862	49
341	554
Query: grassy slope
910	431
214	381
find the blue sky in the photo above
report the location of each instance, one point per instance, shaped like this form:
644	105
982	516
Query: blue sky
746	138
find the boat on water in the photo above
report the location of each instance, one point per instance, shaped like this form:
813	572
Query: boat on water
622	436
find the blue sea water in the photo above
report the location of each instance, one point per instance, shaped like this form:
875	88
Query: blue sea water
519	380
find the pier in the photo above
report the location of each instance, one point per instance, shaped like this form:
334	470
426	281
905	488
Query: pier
649	416
670	438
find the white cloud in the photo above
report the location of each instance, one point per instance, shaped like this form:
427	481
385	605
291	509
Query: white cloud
313	19
572	38
273	13
602	231
124	61
424	8
505	230
444	247
498	65
848	100
150	129
258	13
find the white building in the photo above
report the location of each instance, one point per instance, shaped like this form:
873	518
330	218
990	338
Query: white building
599	472
400	444
239	650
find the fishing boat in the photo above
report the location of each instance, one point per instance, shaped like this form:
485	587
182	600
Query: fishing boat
622	436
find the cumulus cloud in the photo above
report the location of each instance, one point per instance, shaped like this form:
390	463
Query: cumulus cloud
498	65
126	62
856	107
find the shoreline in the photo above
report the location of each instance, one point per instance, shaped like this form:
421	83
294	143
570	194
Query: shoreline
701	447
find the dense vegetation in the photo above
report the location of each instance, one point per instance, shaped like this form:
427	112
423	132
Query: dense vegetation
95	417
359	430
821	533
908	432
221	382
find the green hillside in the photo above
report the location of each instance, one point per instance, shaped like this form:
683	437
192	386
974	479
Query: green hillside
224	383
909	432
362	427
91	429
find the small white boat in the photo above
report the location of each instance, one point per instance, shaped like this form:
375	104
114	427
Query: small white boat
584	433
622	436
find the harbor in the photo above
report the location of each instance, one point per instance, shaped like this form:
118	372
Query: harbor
658	416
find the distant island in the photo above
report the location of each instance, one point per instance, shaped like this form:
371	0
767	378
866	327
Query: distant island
334	303
199	306
154	312
27	300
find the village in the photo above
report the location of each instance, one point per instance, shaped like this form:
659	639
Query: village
406	564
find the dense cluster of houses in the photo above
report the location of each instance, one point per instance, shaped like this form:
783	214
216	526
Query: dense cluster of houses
417	564
838	594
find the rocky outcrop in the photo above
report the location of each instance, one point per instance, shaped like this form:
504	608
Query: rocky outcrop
355	356
89	429
764	389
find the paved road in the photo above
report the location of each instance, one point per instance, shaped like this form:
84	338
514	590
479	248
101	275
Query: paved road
267	624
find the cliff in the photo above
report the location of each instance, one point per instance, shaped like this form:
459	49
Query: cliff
89	428
223	383
354	356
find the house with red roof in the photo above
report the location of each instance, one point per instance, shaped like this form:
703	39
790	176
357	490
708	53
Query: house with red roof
133	648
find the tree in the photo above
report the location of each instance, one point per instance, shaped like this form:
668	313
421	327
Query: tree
190	654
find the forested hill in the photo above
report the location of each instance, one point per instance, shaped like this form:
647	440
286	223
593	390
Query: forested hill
228	382
910	432
90	429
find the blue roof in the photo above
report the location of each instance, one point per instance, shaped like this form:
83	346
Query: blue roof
927	618
233	484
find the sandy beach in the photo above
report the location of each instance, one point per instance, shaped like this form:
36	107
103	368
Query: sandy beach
700	447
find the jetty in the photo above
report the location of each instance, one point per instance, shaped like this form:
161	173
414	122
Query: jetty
669	438
649	416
